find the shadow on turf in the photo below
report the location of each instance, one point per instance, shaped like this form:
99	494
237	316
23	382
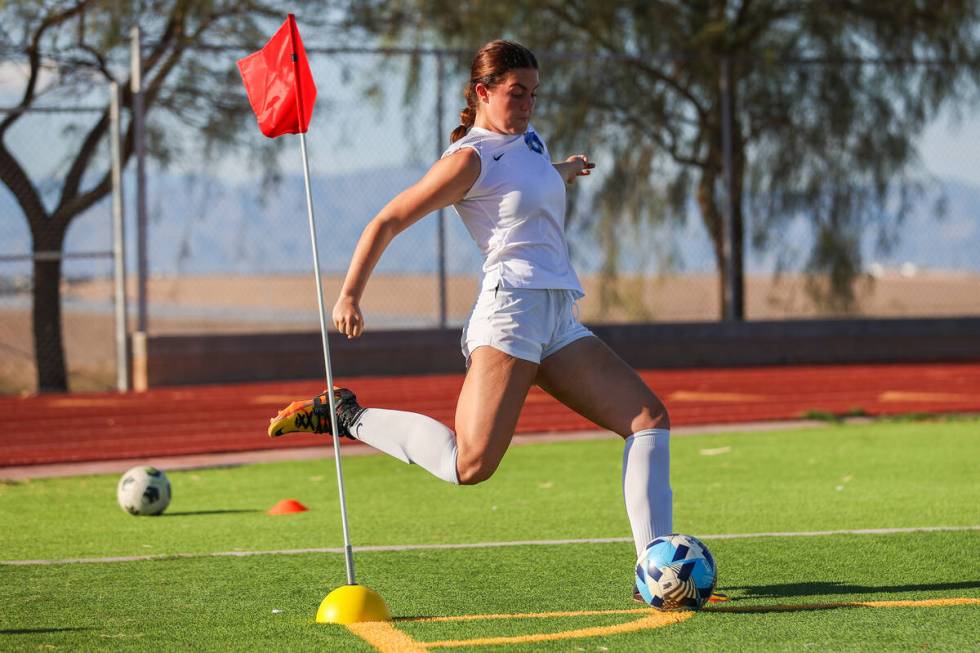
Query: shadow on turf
36	631
824	588
192	513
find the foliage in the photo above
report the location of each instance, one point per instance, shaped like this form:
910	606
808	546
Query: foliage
828	98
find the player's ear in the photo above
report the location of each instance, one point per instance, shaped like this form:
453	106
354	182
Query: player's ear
482	92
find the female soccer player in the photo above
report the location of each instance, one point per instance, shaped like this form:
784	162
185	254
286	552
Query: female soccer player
523	328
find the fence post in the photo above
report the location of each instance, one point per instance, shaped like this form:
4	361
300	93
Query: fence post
139	132
440	215
123	382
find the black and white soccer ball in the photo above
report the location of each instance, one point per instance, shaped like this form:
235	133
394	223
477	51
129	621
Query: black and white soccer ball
143	491
676	572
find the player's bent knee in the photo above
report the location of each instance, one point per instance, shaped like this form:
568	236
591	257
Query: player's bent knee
471	472
653	416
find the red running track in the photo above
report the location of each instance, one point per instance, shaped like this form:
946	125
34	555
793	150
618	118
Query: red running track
208	419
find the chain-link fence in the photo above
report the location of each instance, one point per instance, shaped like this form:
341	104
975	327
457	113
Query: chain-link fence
84	259
229	248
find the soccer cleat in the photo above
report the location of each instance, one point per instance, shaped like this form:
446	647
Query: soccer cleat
313	415
637	596
716	597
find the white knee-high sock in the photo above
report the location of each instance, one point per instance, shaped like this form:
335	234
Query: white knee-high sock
646	485
411	438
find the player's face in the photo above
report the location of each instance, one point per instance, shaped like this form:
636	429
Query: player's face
508	105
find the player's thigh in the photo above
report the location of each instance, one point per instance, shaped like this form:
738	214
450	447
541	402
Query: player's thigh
588	377
490	402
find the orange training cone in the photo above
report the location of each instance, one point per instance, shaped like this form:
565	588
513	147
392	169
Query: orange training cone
287	507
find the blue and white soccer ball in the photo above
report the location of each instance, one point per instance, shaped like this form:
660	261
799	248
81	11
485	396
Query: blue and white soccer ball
676	572
143	491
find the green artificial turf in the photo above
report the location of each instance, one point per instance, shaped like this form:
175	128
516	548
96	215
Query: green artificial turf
877	475
229	603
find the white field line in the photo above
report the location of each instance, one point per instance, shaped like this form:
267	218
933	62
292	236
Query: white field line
480	545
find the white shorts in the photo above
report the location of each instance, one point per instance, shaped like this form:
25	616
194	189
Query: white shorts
527	323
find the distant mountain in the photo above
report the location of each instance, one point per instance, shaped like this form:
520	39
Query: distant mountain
947	242
199	225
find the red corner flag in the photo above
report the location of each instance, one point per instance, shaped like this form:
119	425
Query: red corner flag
279	83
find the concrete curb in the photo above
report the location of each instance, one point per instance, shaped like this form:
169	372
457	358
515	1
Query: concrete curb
236	458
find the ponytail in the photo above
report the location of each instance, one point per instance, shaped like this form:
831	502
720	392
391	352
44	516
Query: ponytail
467	116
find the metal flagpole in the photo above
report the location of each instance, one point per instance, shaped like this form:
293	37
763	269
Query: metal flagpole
348	552
350	603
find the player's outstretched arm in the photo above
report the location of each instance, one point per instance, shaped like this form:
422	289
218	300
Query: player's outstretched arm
574	166
446	182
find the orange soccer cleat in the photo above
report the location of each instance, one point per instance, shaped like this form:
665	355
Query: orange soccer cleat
313	415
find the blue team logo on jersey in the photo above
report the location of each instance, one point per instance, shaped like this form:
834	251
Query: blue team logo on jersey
533	142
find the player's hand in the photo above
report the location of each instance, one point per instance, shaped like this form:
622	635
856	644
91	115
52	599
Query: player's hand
347	317
581	168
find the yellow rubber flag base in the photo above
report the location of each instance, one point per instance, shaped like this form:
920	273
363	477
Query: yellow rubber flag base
352	604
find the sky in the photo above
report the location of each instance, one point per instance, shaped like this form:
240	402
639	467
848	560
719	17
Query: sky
348	135
951	149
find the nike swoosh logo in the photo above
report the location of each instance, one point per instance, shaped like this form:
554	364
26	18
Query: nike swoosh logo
496	157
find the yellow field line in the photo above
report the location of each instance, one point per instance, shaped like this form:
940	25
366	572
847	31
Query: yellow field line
652	620
386	638
536	615
799	607
383	636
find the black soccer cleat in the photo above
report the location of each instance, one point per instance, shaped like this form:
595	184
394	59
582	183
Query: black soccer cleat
716	597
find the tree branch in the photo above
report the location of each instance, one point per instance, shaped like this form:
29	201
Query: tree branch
560	12
176	41
78	203
14	177
643	127
100	61
69	207
69	190
71	203
174	23
34	60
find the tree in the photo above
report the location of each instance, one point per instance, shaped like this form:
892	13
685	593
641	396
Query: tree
828	99
87	45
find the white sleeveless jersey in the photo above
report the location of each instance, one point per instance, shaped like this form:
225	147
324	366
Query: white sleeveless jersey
515	212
